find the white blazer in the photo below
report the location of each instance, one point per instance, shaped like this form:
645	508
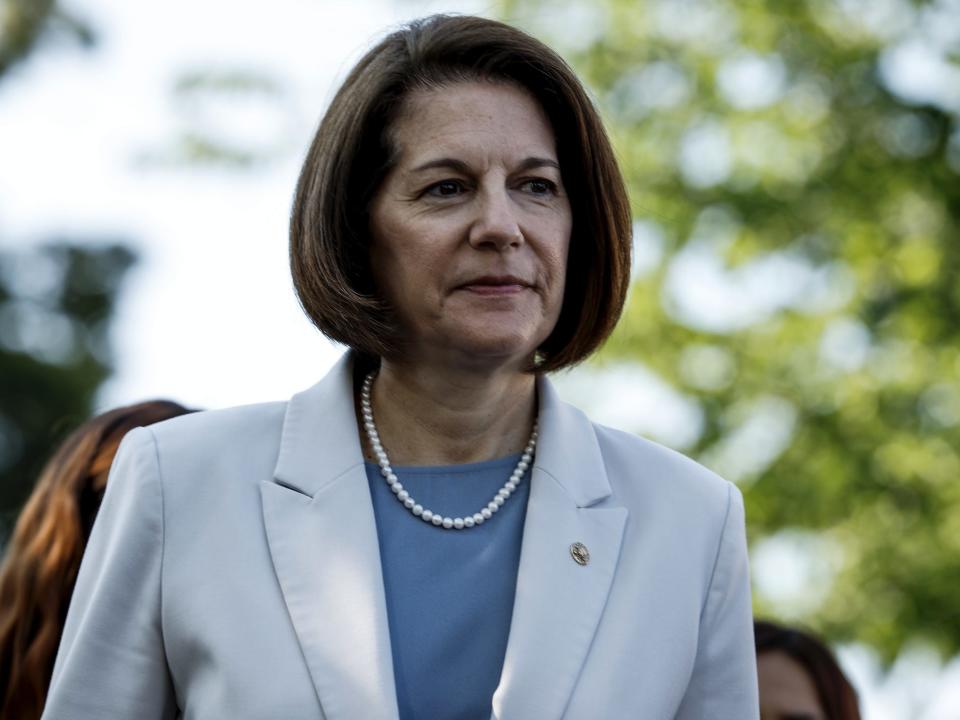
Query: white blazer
234	572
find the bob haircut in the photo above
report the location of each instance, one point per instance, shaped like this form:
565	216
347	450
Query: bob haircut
352	152
837	696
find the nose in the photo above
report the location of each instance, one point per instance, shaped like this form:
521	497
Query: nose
496	224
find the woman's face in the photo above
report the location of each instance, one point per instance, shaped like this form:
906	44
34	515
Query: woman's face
786	690
470	229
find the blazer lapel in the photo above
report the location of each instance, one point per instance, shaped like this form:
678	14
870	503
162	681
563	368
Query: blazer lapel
559	602
323	541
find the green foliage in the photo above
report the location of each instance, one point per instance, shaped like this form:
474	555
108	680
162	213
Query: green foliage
55	306
56	303
24	23
793	151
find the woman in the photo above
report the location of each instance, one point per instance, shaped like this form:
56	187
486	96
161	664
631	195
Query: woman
428	532
799	677
40	564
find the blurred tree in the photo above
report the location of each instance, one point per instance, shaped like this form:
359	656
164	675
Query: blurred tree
233	118
794	175
56	302
25	23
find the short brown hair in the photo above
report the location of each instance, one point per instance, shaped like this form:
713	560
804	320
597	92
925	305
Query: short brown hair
352	152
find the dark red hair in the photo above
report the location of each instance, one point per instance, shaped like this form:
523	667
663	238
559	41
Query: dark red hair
40	565
837	696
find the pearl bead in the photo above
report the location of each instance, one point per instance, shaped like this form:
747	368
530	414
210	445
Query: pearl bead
468	522
447	523
427	515
410	503
417	508
486	513
437	520
396	487
478	519
403	495
511	486
392	477
496	502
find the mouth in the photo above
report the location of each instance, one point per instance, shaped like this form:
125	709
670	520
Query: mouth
496	285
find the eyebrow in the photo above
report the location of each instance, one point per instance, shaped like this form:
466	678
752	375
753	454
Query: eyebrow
462	167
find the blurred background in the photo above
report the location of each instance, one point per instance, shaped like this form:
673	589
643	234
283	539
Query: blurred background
794	321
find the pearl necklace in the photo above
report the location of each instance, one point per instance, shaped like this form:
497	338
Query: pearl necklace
412	505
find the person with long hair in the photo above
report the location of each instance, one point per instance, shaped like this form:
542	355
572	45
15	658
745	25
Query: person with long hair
42	559
799	677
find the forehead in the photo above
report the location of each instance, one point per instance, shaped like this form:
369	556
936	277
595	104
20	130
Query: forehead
488	119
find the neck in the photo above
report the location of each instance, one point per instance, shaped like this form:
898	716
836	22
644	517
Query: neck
438	416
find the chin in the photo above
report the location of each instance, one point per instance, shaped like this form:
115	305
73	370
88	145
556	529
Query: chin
479	341
498	348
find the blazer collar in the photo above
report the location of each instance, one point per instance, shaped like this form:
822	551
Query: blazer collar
567	449
559	602
323	541
319	441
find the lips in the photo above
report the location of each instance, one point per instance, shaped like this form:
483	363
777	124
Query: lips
495	285
496	281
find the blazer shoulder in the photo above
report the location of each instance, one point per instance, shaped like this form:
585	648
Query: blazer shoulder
635	463
220	446
213	428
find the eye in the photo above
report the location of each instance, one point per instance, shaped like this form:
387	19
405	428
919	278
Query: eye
445	188
540	186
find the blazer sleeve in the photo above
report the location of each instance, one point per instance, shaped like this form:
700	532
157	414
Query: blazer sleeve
724	680
111	664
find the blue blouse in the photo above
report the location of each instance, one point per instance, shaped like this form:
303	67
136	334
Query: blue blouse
449	593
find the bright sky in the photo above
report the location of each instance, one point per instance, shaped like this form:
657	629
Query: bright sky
209	317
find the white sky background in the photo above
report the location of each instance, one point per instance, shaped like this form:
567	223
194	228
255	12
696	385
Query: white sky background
208	316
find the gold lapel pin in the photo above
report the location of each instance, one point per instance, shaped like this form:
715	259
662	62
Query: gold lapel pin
580	554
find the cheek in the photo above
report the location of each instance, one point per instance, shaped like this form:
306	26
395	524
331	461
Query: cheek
405	272
390	253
